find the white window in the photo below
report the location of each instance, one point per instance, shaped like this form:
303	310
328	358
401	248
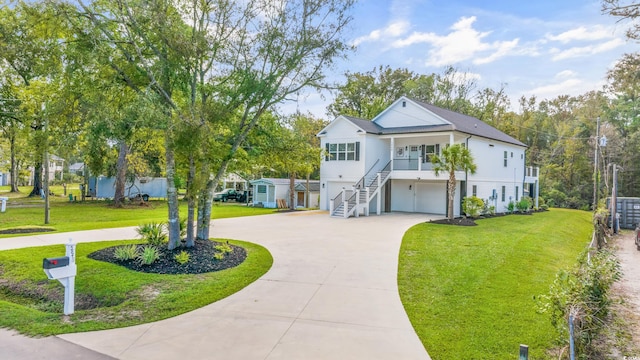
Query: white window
343	151
262	189
429	151
505	161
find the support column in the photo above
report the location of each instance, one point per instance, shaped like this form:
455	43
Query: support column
391	151
378	197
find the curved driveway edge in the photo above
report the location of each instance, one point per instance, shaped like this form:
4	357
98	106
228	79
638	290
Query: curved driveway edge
331	294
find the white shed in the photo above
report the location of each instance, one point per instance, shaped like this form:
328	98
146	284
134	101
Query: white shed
267	191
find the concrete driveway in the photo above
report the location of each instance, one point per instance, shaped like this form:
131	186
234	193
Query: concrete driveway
331	294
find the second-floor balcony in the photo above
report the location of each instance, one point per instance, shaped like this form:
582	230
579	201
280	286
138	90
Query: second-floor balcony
417	168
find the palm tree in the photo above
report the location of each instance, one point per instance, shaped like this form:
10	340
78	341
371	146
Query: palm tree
454	157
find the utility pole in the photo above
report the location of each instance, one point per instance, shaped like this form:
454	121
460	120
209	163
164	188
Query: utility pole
614	199
595	165
45	185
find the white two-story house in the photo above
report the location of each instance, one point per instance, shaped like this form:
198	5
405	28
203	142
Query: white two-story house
384	165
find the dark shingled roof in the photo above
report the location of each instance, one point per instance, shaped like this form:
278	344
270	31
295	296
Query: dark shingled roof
459	122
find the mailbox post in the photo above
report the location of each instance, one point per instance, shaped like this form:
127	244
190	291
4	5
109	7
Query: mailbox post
64	270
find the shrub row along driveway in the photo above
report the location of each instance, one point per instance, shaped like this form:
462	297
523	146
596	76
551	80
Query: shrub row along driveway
331	294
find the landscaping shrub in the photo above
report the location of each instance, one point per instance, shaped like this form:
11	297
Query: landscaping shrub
487	208
153	233
511	206
583	293
126	252
472	206
148	255
524	205
182	257
222	251
223	248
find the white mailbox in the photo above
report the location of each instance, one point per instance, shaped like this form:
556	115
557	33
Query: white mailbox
3	203
64	270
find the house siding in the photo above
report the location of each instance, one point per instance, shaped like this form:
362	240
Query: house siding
410	115
400	133
492	174
334	173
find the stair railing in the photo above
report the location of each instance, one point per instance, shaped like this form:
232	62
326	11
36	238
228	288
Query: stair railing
360	183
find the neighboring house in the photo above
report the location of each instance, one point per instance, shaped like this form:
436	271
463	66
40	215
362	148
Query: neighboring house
385	164
5	178
267	191
234	181
77	168
56	167
301	193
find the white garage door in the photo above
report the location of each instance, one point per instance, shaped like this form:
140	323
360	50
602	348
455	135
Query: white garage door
431	198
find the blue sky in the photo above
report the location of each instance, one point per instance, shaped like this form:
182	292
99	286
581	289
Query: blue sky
538	47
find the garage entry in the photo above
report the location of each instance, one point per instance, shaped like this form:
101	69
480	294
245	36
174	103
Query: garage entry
431	198
335	187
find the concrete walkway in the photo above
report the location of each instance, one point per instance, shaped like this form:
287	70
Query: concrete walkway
331	294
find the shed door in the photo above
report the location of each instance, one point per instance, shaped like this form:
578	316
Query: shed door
300	201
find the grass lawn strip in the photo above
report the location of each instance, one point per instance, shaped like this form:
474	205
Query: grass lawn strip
469	291
123	297
90	215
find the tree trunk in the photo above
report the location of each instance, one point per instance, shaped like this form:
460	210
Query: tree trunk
206	211
121	174
292	190
191	202
307	193
37	179
173	225
14	165
452	193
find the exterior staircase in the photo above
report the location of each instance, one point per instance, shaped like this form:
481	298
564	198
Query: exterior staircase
355	201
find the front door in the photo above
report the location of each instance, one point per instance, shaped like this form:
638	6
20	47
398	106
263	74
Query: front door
301	199
414	155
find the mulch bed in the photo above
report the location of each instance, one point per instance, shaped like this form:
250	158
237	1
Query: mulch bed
467	221
201	259
24	231
461	221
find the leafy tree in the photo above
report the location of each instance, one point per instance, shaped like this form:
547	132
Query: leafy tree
11	127
218	67
453	158
626	10
292	149
30	53
365	95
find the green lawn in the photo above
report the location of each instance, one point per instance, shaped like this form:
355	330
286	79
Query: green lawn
469	291
126	297
92	214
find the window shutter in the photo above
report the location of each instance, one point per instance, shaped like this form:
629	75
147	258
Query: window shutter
357	150
438	149
326	154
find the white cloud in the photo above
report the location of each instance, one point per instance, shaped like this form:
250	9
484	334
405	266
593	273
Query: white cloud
598	32
572	87
585	50
462	43
565	74
392	30
504	48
